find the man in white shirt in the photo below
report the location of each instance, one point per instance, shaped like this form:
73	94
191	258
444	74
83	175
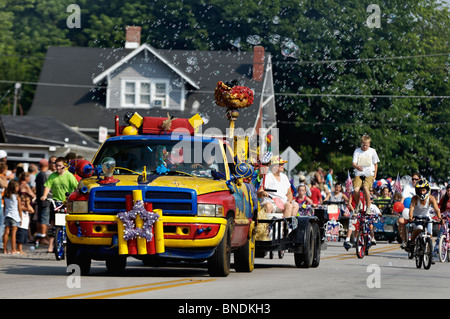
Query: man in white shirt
365	164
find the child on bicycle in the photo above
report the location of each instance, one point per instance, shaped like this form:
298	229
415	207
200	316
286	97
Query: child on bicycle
421	206
374	211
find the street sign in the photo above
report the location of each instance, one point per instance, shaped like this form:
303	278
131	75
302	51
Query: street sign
293	159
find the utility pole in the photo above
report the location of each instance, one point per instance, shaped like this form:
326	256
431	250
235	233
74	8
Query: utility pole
17	86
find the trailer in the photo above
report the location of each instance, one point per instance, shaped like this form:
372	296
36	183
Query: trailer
300	235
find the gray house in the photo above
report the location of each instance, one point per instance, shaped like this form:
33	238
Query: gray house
86	87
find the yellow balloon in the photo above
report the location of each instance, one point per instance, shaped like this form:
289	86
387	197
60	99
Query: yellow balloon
130	130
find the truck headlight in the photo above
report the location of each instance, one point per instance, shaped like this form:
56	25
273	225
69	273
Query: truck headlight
209	210
77	207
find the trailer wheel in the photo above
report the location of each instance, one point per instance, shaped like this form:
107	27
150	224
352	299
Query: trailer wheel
74	258
317	246
305	259
244	257
219	263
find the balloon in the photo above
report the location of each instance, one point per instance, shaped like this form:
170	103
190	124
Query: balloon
84	168
398	207
407	202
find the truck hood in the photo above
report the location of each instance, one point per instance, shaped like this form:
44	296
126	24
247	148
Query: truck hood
200	185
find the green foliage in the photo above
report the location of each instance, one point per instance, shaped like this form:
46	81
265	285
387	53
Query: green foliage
409	133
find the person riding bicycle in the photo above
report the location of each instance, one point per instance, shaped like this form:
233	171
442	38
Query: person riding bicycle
352	223
365	163
421	206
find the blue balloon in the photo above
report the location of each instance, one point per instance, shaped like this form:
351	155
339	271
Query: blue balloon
244	170
407	202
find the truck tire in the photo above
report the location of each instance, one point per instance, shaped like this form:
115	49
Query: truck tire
305	259
116	264
219	263
73	258
244	257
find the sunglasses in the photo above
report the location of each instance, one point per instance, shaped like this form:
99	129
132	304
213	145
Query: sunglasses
414	179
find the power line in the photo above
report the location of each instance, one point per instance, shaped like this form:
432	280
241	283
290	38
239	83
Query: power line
365	60
359	124
365	96
358	96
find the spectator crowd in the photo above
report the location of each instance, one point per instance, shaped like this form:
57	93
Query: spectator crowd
26	195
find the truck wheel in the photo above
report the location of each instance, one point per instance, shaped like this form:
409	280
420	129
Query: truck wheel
73	258
317	246
305	259
244	257
116	264
219	263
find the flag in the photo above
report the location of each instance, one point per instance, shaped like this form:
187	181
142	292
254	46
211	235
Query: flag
348	185
397	185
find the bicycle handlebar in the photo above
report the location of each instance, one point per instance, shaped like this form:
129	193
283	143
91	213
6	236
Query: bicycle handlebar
334	203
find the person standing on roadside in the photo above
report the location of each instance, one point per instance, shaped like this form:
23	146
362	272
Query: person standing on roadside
13	215
3	184
43	207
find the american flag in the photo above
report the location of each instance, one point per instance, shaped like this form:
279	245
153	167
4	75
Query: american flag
397	185
348	185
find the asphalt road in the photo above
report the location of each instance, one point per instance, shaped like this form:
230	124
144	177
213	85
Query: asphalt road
386	273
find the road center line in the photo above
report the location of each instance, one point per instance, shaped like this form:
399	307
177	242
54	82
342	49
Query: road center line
373	250
111	292
119	294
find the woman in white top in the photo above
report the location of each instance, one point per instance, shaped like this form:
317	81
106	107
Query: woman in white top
281	199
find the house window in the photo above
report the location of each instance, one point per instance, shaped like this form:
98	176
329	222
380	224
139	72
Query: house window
145	94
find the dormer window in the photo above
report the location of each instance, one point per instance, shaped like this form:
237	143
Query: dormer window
145	93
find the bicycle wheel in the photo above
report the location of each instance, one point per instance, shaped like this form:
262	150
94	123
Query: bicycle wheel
367	244
418	252
427	253
60	243
443	248
360	244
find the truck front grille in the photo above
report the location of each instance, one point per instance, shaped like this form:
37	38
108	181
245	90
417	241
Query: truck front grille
173	201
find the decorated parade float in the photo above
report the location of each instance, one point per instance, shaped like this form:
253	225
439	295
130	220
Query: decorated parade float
161	193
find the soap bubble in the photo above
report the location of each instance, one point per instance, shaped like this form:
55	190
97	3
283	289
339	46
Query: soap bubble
274	38
192	60
409	84
254	39
289	48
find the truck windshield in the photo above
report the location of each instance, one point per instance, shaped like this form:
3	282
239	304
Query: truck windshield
163	157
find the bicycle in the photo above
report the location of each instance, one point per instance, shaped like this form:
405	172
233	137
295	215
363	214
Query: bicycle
60	229
363	238
423	250
443	244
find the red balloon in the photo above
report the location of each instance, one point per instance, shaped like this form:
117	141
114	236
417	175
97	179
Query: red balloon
398	207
